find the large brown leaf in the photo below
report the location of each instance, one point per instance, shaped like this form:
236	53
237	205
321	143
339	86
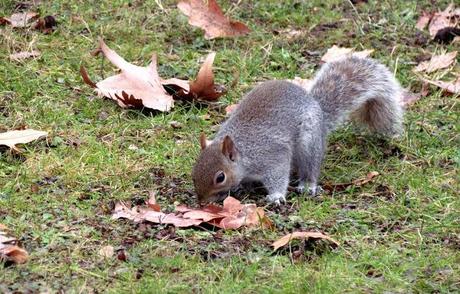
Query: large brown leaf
135	86
142	87
209	16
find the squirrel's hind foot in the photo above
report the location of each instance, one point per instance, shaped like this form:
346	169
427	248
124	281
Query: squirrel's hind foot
276	198
313	189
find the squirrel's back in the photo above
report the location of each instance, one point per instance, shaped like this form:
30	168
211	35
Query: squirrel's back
273	108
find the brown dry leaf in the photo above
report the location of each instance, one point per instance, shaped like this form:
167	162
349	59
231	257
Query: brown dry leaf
232	215
19	20
152	202
358	182
140	87
423	20
135	86
283	241
9	251
209	16
409	98
437	62
24	55
447	18
452	87
202	88
12	138
336	53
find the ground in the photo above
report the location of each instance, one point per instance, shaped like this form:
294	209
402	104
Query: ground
400	233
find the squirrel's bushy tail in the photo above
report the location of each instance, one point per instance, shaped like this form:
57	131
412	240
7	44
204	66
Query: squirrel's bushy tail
362	89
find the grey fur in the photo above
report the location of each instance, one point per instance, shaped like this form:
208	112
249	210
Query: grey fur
279	127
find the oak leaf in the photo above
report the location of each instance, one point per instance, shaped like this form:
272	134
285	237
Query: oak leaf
12	138
209	16
283	241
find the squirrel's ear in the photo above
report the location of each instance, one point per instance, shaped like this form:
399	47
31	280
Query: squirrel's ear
203	141
229	149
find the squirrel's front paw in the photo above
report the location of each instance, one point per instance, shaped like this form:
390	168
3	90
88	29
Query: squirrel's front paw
315	190
276	198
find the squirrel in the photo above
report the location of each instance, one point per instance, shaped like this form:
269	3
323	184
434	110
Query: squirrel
279	128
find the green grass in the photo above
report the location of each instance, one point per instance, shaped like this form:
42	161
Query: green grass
400	233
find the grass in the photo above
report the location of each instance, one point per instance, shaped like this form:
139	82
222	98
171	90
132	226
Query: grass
400	233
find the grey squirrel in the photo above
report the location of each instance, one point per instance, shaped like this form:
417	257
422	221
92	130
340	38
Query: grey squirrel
280	127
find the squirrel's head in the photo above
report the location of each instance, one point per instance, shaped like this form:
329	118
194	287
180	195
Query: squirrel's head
215	171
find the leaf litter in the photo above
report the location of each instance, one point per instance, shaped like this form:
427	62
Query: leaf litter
232	215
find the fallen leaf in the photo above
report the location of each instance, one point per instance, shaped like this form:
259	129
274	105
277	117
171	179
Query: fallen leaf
335	53
152	202
358	182
423	20
452	87
19	20
232	215
9	251
209	16
447	18
437	62
11	138
106	251
24	55
135	86
409	98
283	241
202	88
140	87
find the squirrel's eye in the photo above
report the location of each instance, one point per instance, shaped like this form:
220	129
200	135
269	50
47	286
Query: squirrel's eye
220	177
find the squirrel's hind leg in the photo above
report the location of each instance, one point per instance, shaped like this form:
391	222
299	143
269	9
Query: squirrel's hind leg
310	149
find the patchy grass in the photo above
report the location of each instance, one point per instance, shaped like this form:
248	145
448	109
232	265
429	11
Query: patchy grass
400	233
